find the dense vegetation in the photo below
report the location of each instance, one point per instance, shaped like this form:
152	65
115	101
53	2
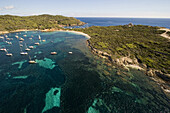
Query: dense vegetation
141	42
168	33
10	23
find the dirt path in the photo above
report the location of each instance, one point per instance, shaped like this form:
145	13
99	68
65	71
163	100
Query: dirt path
164	34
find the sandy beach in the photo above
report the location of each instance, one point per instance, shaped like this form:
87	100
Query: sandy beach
77	32
47	30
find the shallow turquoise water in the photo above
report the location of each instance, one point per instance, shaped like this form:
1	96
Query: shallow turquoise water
77	83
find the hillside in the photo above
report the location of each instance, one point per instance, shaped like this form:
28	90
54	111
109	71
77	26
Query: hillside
10	23
143	43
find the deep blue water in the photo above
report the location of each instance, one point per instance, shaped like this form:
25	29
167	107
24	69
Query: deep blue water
123	21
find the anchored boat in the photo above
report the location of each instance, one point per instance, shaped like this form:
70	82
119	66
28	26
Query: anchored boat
23	53
70	52
53	53
21	39
32	61
27	49
8	54
37	43
31	47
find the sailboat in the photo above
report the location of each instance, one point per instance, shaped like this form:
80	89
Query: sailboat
7	38
39	37
10	43
32	61
17	36
20	44
27	49
23	53
21	39
8	54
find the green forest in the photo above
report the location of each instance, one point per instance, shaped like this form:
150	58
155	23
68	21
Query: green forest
168	33
10	23
139	41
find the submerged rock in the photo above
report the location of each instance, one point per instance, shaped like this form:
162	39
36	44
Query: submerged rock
52	99
46	63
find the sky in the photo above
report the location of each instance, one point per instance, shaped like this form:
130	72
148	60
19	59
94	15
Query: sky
88	8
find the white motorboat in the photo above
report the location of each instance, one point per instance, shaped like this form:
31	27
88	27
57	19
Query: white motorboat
37	43
53	53
70	52
31	47
23	53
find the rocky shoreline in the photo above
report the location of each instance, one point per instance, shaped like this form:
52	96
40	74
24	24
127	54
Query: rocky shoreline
160	78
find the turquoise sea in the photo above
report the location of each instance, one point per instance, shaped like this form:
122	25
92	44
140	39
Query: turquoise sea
71	83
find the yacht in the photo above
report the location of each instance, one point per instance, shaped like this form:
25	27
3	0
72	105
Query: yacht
53	53
3	49
24	35
27	49
43	40
9	54
10	43
21	39
70	52
39	37
37	43
7	38
23	53
31	47
32	61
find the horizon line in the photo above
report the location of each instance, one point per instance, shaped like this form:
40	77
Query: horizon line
89	16
119	17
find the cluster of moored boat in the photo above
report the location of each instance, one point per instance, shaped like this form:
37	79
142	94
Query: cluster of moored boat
7	41
27	48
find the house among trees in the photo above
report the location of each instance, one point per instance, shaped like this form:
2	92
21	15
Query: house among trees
130	25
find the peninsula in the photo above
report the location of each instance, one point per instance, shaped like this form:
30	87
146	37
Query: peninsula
9	23
136	46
